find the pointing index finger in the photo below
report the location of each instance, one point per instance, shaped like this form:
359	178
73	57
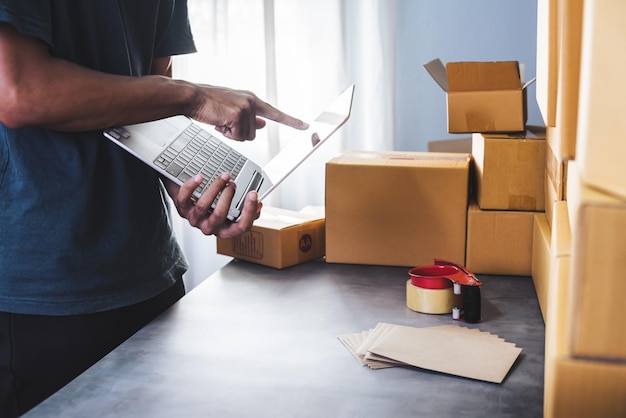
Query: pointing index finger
268	111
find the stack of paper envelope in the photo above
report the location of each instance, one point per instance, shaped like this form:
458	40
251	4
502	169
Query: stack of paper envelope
451	349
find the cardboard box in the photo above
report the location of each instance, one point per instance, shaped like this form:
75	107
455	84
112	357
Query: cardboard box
551	198
481	96
510	170
551	258
555	177
559	286
455	145
279	238
548	44
541	261
600	144
574	387
498	241
561	231
396	208
598	222
556	315
577	388
570	16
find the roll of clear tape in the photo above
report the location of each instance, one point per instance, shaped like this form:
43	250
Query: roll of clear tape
430	301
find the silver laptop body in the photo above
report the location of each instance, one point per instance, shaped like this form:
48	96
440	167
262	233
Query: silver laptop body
178	149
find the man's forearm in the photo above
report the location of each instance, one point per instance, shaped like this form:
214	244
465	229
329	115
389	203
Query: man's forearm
42	90
68	97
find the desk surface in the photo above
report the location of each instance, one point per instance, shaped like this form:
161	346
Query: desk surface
255	341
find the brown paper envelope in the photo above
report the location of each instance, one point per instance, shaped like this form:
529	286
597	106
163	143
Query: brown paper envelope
454	351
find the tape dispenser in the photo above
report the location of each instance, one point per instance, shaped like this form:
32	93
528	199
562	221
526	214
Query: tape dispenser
443	288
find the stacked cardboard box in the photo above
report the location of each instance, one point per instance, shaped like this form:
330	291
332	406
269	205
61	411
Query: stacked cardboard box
482	96
581	244
396	208
406	209
509	178
488	100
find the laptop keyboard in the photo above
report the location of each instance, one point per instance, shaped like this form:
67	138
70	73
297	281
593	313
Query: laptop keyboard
195	151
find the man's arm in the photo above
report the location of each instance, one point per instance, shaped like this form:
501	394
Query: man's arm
41	90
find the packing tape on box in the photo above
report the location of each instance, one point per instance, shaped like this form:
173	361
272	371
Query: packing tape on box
430	301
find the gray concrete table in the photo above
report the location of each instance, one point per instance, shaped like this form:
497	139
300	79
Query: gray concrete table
252	341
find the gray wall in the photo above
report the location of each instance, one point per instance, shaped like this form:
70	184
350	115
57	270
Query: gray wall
455	30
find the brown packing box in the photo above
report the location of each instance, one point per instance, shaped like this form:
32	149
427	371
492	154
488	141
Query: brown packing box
510	170
547	59
481	96
550	200
585	388
396	208
574	387
600	144
541	261
457	145
570	17
559	282
279	238
555	176
498	241
598	221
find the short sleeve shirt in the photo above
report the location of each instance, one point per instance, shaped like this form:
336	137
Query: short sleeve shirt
84	226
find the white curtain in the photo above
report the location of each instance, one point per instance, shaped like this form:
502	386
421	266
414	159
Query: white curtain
297	55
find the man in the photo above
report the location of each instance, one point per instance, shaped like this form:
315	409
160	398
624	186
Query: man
87	253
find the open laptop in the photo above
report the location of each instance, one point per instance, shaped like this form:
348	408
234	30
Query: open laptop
178	148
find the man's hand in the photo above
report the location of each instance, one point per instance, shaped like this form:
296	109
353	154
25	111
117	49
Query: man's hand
237	114
198	212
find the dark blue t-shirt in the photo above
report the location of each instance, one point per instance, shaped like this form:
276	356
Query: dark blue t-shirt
84	226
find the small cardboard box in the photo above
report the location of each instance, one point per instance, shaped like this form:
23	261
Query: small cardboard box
481	96
499	241
598	221
396	208
279	238
510	170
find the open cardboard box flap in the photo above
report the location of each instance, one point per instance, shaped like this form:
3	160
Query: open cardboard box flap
482	96
474	76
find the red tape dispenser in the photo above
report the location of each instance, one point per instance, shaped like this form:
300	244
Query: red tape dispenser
443	288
